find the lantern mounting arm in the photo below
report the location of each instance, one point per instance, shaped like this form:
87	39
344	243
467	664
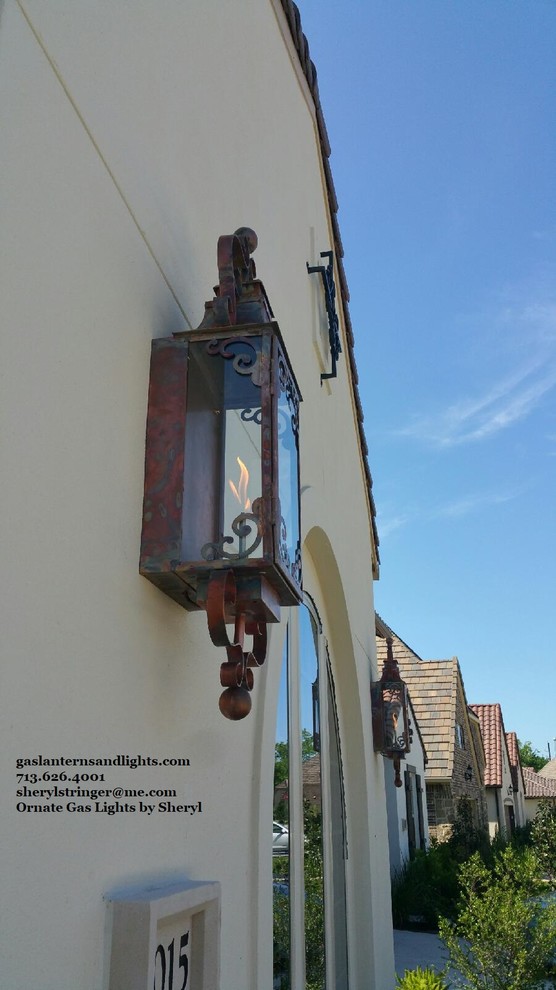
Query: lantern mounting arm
236	674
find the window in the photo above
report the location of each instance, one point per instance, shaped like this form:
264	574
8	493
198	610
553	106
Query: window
309	880
414	810
460	738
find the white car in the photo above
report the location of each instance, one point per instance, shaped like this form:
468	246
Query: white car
280	839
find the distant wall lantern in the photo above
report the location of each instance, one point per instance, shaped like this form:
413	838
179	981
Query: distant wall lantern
468	772
391	731
221	515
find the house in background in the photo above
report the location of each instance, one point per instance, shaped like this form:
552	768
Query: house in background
518	783
312	788
549	770
503	812
408	827
537	788
450	733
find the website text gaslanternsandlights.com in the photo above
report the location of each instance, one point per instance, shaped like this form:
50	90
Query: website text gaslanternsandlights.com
121	760
44	783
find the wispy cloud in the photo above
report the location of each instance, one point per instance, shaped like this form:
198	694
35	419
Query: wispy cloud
389	524
466	505
475	419
474	503
525	336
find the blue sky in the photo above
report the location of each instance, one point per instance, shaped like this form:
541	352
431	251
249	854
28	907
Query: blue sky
442	121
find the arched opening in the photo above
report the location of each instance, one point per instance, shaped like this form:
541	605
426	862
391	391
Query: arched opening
309	838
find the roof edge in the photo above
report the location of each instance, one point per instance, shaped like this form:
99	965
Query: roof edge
293	18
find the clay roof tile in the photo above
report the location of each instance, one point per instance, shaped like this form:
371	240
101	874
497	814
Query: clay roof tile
537	786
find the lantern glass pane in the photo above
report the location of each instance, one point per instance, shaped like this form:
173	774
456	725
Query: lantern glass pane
395	729
222	451
288	477
242	474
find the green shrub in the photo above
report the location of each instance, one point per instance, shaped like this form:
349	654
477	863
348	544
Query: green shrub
543	835
503	937
467	836
421	979
426	888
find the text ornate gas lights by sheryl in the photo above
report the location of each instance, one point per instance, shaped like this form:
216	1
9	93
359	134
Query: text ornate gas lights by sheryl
221	517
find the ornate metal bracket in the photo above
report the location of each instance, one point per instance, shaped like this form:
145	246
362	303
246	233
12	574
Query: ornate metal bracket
236	674
327	274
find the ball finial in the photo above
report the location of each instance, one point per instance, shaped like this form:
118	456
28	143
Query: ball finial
250	236
235	703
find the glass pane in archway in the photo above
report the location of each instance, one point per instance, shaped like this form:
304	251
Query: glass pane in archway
312	803
281	840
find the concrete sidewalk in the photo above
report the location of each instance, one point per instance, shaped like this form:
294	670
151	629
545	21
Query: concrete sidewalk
412	949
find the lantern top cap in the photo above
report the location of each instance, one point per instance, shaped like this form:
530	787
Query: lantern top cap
239	298
390	670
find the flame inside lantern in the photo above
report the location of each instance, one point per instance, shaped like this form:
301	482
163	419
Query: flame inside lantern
241	491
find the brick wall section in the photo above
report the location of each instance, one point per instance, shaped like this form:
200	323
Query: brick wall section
478	783
470	755
440	811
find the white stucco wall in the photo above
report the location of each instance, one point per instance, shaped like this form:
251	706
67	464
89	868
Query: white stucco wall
133	136
501	798
532	806
396	799
519	804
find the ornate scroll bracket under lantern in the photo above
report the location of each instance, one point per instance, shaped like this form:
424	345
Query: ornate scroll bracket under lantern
391	732
327	275
221	515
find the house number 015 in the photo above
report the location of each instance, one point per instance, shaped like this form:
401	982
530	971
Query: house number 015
166	962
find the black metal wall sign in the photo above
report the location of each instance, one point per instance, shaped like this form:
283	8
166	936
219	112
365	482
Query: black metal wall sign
327	275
